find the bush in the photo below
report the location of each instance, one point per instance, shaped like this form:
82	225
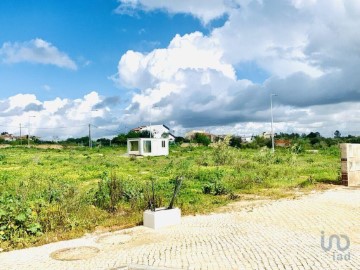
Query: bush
17	219
220	189
112	190
102	195
223	154
208	188
235	141
203	139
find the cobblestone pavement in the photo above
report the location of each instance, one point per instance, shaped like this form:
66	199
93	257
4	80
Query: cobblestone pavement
283	234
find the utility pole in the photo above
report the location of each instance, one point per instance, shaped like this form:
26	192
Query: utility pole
272	123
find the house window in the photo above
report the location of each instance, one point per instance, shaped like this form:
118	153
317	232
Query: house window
134	146
163	144
147	146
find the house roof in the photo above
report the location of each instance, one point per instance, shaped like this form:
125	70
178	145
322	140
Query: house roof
141	127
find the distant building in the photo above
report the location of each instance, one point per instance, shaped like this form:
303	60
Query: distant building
266	135
8	137
157	131
247	139
282	143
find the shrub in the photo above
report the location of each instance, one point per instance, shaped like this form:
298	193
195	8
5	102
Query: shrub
203	139
108	193
207	188
220	189
111	190
17	218
223	153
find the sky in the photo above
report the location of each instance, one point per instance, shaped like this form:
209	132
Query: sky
206	65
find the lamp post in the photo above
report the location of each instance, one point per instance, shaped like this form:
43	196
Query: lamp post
272	123
29	130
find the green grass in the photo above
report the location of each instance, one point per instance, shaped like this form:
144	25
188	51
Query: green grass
48	195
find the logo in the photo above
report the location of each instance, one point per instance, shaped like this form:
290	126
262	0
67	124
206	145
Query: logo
342	243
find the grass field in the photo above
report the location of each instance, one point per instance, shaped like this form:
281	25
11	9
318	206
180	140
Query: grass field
52	194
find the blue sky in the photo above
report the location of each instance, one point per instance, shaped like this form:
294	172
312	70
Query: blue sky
90	33
208	65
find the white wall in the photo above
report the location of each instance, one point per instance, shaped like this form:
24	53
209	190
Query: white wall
157	148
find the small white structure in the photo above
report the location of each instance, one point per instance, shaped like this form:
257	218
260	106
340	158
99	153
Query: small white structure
162	217
148	146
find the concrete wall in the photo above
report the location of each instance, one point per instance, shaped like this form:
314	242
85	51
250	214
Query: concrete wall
350	164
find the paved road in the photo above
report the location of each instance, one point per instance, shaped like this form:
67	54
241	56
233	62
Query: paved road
284	234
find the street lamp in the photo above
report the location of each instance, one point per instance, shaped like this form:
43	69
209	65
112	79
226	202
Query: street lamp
29	130
272	123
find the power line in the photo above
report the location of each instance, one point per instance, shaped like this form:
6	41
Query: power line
59	127
115	131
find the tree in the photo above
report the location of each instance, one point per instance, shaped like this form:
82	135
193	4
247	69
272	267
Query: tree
133	134
179	139
337	134
120	139
202	138
235	141
313	135
144	134
103	141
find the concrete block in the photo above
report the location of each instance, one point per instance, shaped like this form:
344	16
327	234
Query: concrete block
350	164
162	217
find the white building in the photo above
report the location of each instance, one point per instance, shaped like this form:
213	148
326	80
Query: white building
157	131
266	135
148	146
247	139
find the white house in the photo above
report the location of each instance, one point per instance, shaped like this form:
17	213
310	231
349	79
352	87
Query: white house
157	131
8	137
148	146
266	135
247	139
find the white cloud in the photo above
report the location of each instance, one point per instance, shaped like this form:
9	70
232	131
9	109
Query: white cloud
309	48
35	51
60	118
188	52
204	10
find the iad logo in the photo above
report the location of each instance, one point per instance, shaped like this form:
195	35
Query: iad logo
338	254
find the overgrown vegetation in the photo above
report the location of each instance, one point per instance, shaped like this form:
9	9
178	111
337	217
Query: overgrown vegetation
52	194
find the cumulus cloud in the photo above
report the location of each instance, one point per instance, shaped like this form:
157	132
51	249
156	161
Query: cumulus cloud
60	118
309	48
35	51
193	51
